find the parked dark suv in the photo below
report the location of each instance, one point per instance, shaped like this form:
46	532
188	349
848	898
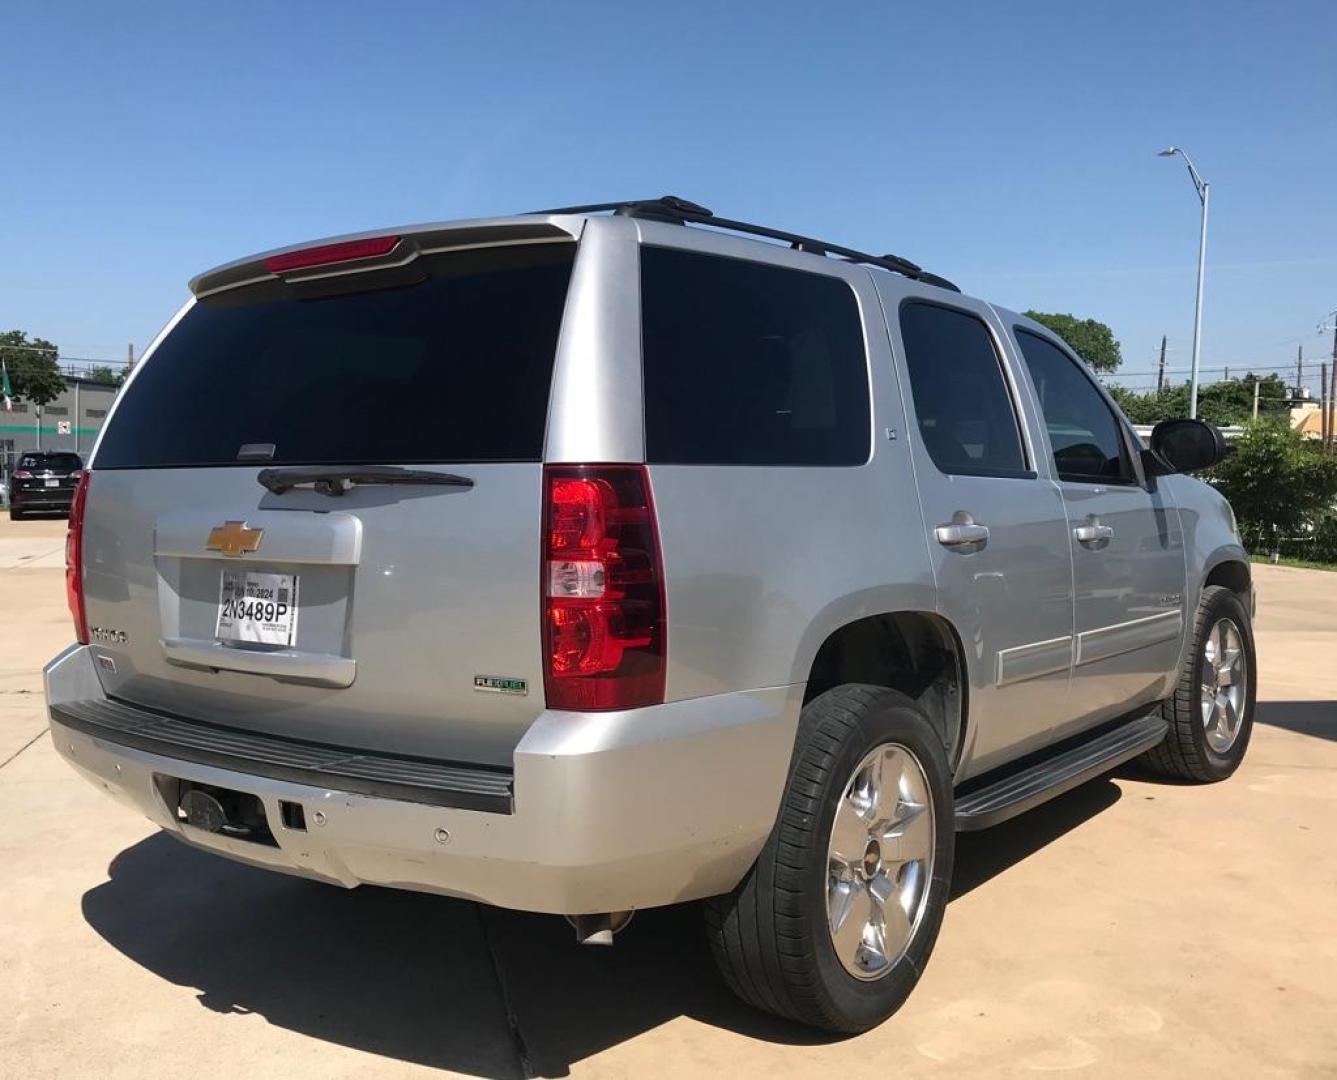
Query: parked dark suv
44	481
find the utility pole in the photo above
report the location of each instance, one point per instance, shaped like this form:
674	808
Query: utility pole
1322	403
1332	395
1160	371
1255	397
1227	378
1299	373
129	357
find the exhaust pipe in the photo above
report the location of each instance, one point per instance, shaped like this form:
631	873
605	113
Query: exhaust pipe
598	929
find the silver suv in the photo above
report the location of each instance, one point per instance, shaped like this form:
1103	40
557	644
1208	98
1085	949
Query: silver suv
617	556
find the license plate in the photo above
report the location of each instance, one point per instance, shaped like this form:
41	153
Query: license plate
259	608
53	483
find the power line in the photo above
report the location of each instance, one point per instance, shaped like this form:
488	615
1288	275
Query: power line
1151	373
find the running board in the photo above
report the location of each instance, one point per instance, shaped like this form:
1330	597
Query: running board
1022	790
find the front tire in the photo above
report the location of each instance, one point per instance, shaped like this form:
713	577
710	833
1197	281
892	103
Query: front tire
838	916
1211	713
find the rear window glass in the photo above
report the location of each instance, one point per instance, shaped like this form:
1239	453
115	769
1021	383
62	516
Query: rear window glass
455	367
55	462
750	364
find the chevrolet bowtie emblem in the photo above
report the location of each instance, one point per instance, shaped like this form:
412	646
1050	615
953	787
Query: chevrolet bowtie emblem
234	538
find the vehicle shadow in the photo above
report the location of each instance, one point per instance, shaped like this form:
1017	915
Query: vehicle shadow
981	856
446	983
1316	718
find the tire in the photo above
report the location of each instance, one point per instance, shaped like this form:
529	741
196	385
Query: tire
15	515
1194	750
772	936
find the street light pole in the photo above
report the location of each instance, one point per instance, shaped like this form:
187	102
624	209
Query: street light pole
1204	191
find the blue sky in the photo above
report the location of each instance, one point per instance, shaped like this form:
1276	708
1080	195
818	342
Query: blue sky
1010	147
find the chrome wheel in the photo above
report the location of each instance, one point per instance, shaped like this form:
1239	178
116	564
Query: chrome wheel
879	861
1225	677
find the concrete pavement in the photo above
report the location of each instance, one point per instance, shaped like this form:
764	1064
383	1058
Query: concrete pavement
1130	928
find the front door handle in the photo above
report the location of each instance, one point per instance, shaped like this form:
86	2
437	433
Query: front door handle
962	531
1093	533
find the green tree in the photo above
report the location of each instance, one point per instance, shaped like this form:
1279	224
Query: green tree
1141	408
1220	403
1278	482
31	363
103	374
1093	341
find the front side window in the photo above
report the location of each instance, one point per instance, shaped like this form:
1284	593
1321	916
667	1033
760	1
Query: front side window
750	364
1083	431
961	400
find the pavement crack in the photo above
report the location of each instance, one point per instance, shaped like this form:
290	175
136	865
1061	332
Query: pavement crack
512	1021
22	748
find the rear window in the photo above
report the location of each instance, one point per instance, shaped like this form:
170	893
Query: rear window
452	367
750	364
54	462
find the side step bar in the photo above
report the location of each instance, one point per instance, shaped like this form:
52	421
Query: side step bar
1023	789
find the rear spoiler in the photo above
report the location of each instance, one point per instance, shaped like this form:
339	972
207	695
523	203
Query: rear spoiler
382	249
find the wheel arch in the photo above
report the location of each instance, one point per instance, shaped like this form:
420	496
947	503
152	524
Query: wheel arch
1229	567
914	651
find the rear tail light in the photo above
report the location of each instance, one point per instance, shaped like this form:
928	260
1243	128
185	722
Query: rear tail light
604	618
23	474
74	560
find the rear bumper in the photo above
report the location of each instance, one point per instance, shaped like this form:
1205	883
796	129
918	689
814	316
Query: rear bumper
611	811
39	499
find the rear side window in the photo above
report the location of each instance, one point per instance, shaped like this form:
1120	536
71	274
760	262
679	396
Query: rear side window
453	367
750	364
961	400
1083	431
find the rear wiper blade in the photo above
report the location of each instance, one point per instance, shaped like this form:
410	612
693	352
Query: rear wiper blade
339	479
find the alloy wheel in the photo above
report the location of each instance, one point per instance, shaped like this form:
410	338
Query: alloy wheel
1224	682
879	861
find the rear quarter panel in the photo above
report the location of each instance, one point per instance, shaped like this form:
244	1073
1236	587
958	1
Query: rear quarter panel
763	562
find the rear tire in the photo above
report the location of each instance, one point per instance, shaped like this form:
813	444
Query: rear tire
868	769
15	515
1210	724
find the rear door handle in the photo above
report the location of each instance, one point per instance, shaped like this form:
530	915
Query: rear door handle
1093	533
961	533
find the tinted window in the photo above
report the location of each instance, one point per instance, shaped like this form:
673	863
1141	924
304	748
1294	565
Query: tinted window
960	397
452	368
54	462
749	364
1083	431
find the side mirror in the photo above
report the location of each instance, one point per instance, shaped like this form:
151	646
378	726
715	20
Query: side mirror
1183	446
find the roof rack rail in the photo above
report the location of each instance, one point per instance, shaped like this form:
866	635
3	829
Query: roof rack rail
678	211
